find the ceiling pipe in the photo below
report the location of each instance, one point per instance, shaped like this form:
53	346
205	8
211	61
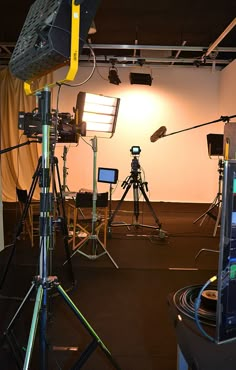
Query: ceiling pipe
129	61
221	37
178	52
156	47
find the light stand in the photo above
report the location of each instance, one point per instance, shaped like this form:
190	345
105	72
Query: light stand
108	176
32	59
95	241
65	173
217	202
43	282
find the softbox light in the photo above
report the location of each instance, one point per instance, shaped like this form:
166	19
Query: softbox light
97	113
45	39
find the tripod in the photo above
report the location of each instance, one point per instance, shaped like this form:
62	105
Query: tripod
93	237
135	181
43	282
217	202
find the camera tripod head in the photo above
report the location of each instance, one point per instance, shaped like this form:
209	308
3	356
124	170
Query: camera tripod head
135	166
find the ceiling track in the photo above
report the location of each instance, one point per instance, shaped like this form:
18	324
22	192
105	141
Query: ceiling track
204	57
108	59
201	57
207	55
159	47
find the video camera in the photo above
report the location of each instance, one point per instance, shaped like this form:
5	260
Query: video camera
135	166
62	126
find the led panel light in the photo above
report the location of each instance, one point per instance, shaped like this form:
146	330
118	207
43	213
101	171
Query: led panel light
140	78
97	112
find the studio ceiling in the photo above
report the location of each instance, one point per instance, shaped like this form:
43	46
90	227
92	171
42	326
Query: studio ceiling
149	23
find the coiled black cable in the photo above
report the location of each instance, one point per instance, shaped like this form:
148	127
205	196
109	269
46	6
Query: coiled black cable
184	300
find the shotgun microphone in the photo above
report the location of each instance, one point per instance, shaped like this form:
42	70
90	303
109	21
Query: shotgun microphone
158	134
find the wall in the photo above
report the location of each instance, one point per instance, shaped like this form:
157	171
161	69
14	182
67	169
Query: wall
227	90
176	167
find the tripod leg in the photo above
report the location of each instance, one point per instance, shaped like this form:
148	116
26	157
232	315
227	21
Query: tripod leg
96	339
103	253
136	201
84	241
149	205
218	219
119	204
33	328
9	335
20	308
64	224
206	213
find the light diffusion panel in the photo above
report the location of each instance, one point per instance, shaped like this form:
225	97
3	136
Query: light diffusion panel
226	306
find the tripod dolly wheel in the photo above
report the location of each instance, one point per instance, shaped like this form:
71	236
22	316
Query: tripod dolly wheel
162	234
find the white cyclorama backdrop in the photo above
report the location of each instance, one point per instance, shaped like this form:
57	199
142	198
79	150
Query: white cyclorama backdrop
177	168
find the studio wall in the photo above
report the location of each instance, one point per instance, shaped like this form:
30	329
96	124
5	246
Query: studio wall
176	167
227	90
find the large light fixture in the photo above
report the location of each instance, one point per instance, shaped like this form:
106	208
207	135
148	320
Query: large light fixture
47	36
96	113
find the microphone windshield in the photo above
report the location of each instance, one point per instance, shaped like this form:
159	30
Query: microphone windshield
158	134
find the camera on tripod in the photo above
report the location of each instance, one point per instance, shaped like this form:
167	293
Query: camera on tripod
135	166
62	126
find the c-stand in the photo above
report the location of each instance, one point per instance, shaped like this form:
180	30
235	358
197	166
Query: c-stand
43	282
135	180
93	237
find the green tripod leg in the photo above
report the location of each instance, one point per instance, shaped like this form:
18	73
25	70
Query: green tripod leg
96	339
33	328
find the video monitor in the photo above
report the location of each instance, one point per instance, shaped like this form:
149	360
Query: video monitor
107	175
226	305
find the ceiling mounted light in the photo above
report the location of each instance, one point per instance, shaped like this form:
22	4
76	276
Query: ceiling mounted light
113	73
140	78
97	113
113	76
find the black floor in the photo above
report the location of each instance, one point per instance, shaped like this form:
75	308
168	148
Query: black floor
126	307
